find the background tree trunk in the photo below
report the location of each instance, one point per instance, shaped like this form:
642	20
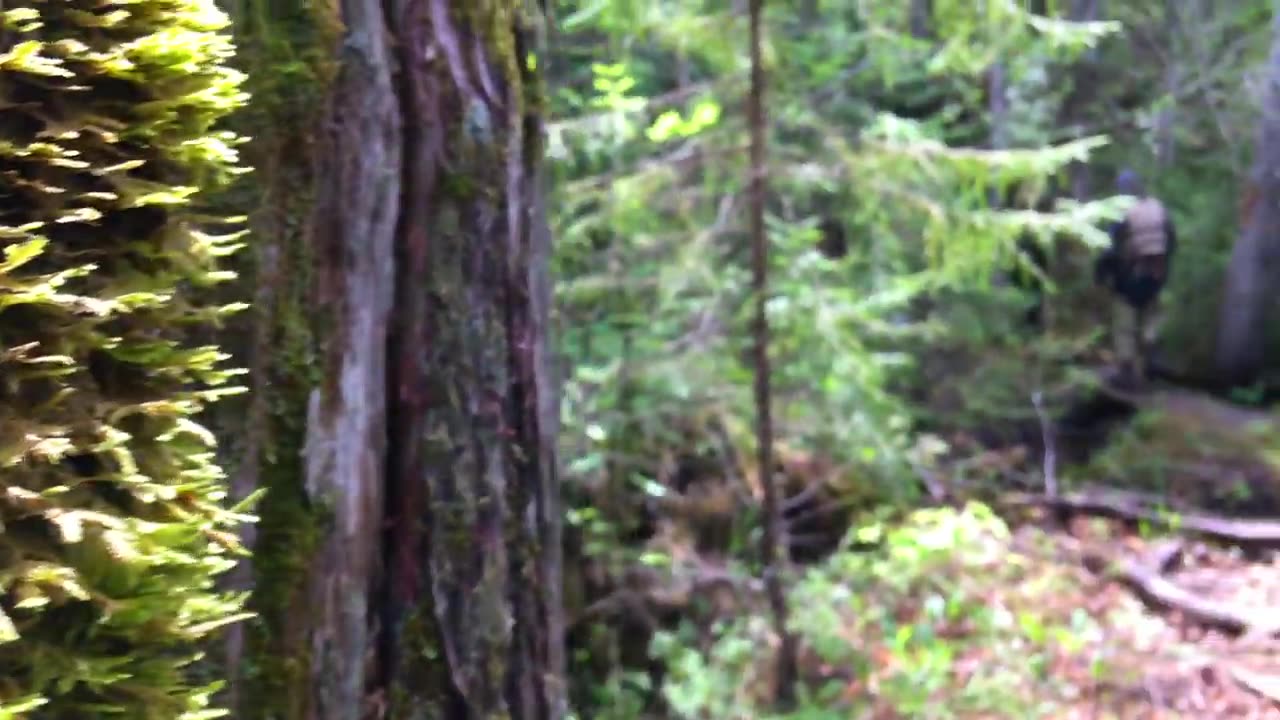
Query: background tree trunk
772	553
1084	80
408	562
921	18
1250	285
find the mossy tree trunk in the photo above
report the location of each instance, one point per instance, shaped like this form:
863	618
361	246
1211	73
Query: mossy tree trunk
285	47
431	587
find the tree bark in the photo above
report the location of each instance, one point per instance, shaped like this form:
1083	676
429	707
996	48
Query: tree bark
1167	120
357	202
771	542
431	587
473	548
1083	81
1250	286
921	19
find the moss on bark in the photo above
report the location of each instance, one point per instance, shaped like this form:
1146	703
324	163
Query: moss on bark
287	51
403	628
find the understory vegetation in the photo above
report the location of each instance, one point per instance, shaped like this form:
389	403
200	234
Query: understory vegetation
916	163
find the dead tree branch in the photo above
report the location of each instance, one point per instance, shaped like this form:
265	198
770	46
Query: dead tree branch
1135	507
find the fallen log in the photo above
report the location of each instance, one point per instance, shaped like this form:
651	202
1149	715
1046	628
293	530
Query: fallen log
1138	508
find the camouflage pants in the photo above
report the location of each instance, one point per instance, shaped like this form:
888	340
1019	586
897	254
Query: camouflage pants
1134	333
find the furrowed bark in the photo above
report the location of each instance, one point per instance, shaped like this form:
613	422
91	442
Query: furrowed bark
423	580
353	234
473	549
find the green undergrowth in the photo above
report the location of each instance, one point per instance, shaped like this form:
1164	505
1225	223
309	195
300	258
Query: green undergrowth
1195	450
946	618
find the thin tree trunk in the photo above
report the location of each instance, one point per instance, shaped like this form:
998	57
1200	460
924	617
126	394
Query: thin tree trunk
1250	284
770	548
998	106
921	18
1166	121
1083	82
1087	11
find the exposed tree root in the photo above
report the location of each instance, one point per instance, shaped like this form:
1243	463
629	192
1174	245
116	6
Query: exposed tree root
1146	576
1267	686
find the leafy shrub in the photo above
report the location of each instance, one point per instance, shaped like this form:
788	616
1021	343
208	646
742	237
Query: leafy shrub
944	620
111	502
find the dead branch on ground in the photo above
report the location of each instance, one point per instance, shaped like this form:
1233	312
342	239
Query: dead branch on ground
1138	508
1147	577
1267	686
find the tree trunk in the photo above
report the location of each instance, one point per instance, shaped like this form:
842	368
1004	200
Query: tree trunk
429	581
772	554
921	18
1087	11
1167	119
353	232
265	429
473	546
1084	79
1250	286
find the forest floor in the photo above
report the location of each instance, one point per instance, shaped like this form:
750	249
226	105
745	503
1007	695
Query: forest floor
1147	587
1190	612
1161	663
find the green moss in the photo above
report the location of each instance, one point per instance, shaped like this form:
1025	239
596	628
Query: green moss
291	525
289	61
114	524
1197	449
459	187
277	675
495	22
424	667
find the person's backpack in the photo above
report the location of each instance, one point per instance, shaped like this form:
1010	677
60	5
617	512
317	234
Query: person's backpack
1147	237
